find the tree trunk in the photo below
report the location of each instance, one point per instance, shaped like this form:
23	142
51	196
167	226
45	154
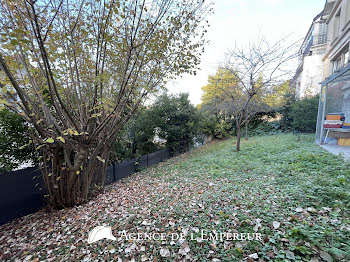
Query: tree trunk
246	130
66	184
238	139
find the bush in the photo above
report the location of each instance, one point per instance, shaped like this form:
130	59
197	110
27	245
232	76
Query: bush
136	139
299	115
176	121
171	122
304	114
286	111
206	123
14	141
214	122
223	129
267	128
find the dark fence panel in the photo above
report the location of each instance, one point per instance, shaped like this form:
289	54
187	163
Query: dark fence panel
165	154
154	158
110	175
124	169
21	192
143	161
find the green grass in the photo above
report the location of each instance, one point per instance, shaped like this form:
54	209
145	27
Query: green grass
216	189
267	180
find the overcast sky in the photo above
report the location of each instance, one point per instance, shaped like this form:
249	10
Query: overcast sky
240	21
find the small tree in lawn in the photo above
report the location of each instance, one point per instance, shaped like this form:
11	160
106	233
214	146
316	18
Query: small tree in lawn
77	70
256	69
224	94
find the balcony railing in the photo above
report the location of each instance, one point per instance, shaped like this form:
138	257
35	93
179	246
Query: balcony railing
307	48
315	40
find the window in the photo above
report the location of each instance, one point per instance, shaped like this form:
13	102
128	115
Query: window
336	25
346	56
322	34
337	63
341	60
322	30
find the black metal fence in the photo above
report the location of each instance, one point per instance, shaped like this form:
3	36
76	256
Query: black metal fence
120	170
21	191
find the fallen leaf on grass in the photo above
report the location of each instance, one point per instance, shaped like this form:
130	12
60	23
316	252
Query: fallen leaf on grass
254	256
184	249
299	209
276	224
325	256
311	210
164	252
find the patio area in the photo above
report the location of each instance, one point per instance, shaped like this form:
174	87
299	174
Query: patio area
338	150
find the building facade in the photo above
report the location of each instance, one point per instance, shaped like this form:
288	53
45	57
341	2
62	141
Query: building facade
337	16
335	87
309	74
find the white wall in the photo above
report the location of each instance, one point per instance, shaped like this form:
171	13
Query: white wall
311	75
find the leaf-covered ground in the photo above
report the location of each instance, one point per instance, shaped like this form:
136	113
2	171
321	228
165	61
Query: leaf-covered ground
293	193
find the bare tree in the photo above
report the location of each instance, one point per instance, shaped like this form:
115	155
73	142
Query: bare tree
256	105
224	95
76	70
257	68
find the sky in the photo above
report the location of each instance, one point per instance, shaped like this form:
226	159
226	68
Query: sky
237	22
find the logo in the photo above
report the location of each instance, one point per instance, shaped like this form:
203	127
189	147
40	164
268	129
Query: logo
105	232
100	232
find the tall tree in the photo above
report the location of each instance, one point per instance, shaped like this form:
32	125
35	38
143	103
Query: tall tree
276	97
176	121
77	70
258	68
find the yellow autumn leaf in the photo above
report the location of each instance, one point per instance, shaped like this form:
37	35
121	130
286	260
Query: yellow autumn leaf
61	139
50	140
38	147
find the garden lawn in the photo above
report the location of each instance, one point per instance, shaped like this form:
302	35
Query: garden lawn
290	191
